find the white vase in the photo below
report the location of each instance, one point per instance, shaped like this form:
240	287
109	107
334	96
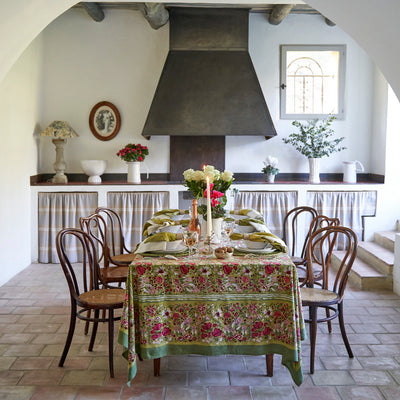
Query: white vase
133	171
216	224
314	170
270	178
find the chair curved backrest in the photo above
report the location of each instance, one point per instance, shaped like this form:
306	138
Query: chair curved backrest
115	236
96	227
319	255
90	269
291	234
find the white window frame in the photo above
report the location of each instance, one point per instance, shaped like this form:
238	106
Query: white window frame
342	73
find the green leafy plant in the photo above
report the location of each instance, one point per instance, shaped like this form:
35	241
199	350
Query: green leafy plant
315	138
270	166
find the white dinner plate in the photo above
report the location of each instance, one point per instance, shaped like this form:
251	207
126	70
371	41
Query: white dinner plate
178	249
267	250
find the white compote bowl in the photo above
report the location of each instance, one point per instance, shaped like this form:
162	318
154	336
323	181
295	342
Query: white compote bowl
93	169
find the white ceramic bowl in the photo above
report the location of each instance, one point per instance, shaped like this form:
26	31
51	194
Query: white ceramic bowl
93	169
245	228
253	245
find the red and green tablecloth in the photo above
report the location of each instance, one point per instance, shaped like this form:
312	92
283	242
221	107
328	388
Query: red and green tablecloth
244	305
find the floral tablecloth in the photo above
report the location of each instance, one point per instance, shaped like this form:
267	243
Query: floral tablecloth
244	305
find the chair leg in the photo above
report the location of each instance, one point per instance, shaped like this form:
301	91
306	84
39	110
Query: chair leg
86	331
111	341
157	366
343	330
313	335
71	331
328	322
94	330
269	359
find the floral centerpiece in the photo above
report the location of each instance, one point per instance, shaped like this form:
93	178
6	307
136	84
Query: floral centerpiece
220	182
133	152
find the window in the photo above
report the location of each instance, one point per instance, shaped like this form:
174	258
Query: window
312	81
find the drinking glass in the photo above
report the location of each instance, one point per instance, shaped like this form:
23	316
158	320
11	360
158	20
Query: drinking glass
228	227
190	238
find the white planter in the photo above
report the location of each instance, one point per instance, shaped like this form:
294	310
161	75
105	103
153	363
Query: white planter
270	178
133	171
314	170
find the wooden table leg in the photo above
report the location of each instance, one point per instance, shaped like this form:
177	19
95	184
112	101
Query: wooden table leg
269	358
156	366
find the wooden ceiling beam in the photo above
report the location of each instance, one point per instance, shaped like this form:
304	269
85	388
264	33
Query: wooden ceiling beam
279	13
155	13
94	10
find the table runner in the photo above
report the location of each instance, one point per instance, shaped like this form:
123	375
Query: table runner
244	305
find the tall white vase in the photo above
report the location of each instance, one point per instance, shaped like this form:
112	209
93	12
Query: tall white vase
133	171
314	170
217	227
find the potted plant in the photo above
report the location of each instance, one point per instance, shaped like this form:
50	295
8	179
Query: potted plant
315	141
133	155
270	169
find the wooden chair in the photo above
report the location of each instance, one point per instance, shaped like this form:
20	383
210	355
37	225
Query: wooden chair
118	253
85	293
329	296
293	238
96	227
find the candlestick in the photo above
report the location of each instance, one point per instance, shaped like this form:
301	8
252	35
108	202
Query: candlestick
209	226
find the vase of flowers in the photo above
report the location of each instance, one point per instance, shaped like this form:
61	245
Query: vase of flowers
220	182
133	155
270	169
315	141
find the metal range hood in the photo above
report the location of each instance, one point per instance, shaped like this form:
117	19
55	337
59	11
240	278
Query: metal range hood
208	86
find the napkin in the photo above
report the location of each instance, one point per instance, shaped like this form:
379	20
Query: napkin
158	242
154	224
250	213
255	223
170	212
273	240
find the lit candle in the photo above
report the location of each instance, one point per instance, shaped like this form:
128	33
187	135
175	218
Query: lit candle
208	208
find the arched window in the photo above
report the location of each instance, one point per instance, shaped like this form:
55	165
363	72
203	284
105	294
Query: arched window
312	81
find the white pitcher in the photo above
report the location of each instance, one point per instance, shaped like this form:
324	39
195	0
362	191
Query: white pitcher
350	169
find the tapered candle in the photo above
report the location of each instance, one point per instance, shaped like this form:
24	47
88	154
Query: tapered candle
209	229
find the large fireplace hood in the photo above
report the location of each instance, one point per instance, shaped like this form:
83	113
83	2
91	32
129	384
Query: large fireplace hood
208	86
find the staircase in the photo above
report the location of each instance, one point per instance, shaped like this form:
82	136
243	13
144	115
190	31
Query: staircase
373	267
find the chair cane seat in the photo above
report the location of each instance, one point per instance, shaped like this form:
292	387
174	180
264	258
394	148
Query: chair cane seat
114	274
317	295
103	297
123	258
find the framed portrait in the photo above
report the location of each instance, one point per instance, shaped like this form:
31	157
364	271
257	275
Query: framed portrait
104	120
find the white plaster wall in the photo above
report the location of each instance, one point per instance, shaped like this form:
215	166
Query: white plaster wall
118	60
19	113
121	58
264	46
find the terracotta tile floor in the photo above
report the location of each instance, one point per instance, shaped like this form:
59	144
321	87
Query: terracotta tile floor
34	316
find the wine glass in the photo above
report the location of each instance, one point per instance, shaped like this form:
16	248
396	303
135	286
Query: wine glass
228	227
190	238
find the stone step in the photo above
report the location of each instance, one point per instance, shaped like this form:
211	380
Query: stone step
386	239
363	275
377	256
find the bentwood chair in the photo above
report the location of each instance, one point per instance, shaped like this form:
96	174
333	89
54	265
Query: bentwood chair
118	252
320	221
330	295
96	227
296	231
85	293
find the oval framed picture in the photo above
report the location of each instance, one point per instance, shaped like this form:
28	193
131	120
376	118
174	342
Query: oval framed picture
104	120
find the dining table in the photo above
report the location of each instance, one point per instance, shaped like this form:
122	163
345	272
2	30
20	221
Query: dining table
247	304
